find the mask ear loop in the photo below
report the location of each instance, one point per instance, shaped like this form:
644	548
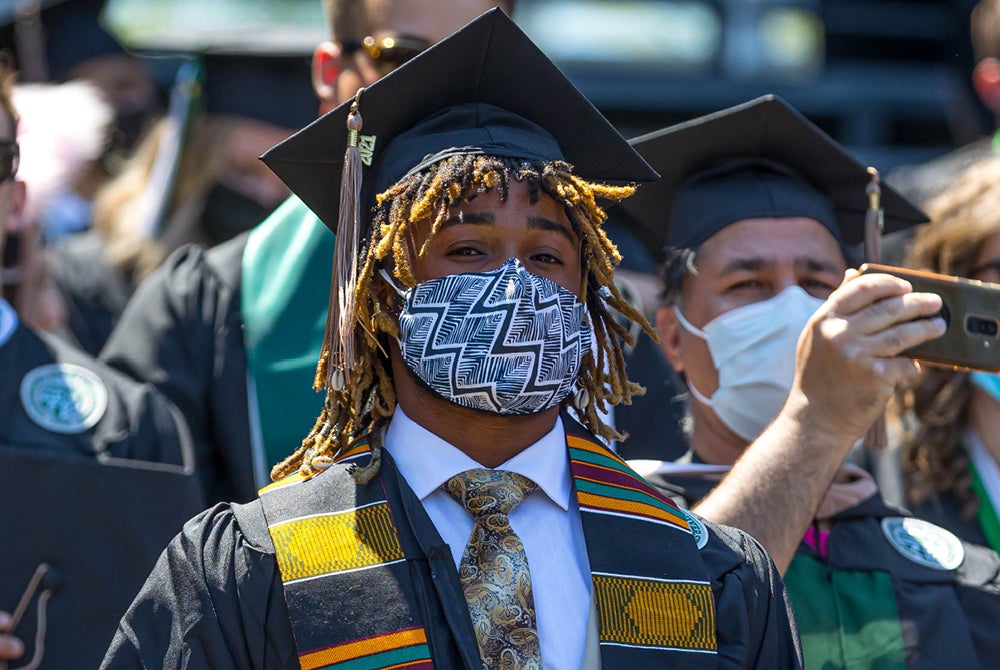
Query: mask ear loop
688	326
391	281
699	333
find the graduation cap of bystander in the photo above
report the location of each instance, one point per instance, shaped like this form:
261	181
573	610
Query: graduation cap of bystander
762	158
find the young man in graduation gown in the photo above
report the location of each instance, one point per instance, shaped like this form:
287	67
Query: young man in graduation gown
96	476
759	210
231	335
444	510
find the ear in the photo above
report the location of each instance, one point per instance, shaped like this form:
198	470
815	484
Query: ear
986	81
326	67
670	337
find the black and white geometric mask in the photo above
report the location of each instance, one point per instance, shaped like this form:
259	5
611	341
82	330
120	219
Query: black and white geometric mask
504	341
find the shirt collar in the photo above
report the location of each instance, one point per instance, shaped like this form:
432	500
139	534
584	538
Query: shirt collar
426	461
8	321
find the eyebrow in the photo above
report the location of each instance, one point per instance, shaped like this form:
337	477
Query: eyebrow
757	264
488	219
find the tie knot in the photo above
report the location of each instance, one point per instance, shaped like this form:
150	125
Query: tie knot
484	492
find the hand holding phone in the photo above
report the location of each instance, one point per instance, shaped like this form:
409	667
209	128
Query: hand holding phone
971	312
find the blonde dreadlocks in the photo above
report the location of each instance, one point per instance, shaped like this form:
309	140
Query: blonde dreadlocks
368	400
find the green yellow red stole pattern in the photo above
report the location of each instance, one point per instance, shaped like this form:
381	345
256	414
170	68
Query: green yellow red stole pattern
338	550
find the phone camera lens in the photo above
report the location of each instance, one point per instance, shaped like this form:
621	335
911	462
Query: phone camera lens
980	326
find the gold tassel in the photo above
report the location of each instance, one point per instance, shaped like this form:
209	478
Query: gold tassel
337	355
876	437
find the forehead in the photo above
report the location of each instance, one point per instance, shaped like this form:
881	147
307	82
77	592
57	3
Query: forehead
511	212
431	20
771	240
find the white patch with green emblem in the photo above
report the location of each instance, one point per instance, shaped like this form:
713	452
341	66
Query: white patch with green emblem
64	398
924	543
698	529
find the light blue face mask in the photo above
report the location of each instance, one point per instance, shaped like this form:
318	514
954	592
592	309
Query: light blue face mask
987	381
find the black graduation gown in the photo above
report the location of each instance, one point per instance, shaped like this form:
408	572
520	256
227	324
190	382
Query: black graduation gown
215	598
94	290
947	617
182	333
92	494
945	510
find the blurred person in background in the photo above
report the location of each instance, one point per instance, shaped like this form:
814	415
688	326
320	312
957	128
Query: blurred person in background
945	469
64	40
63	129
232	334
924	181
241	105
83	450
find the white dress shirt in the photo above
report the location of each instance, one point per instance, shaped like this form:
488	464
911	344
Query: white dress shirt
8	321
548	523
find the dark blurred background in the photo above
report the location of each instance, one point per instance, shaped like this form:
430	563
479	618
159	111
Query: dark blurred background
891	79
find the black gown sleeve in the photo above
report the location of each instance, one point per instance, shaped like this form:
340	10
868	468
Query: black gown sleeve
213	600
755	623
94	290
182	333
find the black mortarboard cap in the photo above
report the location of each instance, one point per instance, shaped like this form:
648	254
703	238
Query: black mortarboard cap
275	88
486	86
74	34
759	159
69	33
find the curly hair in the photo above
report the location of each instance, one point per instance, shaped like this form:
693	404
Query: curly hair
962	218
368	400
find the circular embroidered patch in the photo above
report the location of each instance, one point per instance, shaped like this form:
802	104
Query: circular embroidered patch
698	529
924	543
64	398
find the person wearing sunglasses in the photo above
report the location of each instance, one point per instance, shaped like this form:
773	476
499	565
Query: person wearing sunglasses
231	335
86	457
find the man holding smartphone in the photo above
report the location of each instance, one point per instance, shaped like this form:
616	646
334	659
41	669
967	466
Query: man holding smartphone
789	356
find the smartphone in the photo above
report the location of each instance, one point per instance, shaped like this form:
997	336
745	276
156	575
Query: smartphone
971	312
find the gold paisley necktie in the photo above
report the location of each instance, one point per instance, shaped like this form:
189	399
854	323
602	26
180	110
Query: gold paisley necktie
494	569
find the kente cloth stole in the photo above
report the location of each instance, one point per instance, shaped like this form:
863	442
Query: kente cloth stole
338	551
654	599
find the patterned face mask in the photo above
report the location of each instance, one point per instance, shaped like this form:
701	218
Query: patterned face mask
504	341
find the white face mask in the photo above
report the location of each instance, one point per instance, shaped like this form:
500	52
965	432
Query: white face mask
753	350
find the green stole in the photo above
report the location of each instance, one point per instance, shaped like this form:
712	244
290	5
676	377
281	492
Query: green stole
284	290
847	619
986	516
339	550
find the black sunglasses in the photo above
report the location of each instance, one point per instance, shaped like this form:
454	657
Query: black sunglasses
388	53
10	157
